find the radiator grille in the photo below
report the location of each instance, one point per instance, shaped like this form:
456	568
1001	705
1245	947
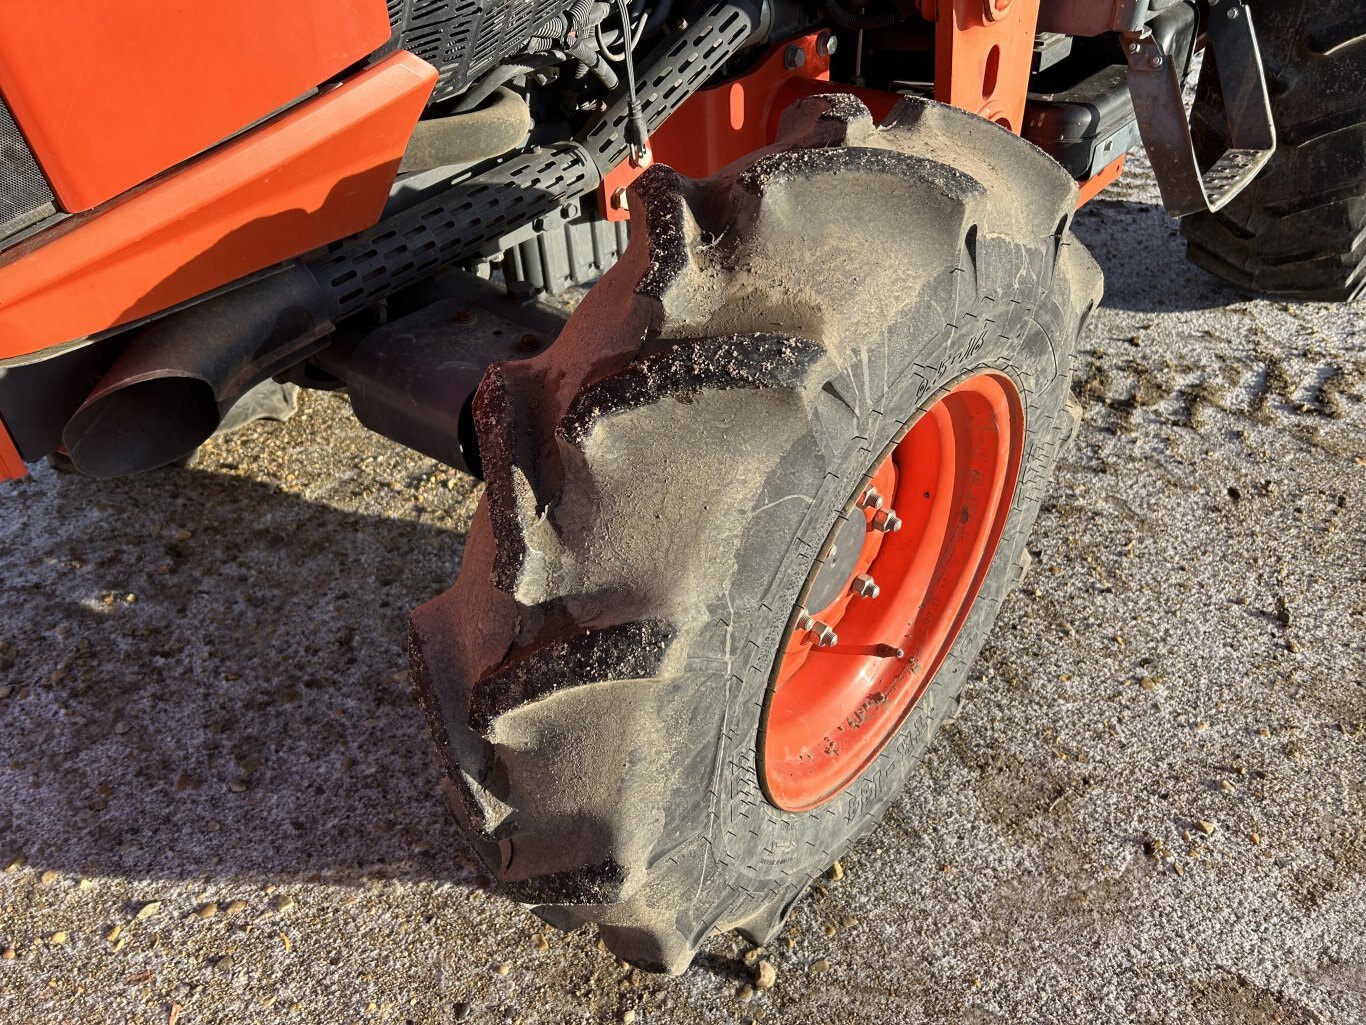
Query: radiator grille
25	198
462	39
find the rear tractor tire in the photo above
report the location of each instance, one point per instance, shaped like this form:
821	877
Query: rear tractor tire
748	521
1299	231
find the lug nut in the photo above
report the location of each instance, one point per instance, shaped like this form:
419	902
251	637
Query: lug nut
870	499
820	634
865	586
887	521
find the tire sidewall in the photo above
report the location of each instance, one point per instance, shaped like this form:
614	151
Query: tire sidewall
781	851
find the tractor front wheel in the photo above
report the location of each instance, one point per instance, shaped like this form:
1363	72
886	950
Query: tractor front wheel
749	520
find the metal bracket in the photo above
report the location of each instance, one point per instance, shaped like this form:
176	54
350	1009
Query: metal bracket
1155	85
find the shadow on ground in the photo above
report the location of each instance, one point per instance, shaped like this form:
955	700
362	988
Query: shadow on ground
1140	249
214	683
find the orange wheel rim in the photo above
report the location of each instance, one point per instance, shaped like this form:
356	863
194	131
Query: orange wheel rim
890	592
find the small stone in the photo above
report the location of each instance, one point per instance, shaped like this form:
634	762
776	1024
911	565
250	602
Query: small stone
207	910
628	1016
1256	839
49	877
1204	826
1226	786
148	910
224	963
57	939
371	1007
7	954
235	906
6	691
284	902
1176	867
238	786
461	1011
540	942
848	922
121	727
503	968
746	993
84	884
835	872
830	930
820	967
114	933
765	975
14	866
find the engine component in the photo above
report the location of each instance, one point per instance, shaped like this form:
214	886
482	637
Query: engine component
463	39
413	380
468	137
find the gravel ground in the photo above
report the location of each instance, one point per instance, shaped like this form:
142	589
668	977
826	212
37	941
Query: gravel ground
217	802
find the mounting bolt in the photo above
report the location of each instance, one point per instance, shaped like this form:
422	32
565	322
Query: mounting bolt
1155	61
821	634
887	521
1233	14
864	586
826	43
619	200
870	499
794	57
1134	48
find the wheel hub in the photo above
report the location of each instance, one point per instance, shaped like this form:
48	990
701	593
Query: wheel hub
887	599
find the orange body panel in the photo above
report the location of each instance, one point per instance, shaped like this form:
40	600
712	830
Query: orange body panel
983	53
1095	186
721	124
11	465
110	94
319	172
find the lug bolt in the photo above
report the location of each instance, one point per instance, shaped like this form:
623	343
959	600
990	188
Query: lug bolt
870	499
887	521
820	634
794	58
865	586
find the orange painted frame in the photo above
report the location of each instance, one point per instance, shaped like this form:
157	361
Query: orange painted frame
109	94
11	463
983	56
318	173
983	53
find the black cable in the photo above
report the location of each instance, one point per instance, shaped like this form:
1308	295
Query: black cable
637	135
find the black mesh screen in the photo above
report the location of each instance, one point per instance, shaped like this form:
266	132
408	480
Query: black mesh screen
464	38
25	198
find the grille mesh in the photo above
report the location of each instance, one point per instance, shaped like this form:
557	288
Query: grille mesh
25	198
464	38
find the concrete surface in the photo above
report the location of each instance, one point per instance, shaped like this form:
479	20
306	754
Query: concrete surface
217	802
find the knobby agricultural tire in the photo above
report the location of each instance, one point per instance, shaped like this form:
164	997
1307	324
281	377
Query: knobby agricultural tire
659	482
1299	231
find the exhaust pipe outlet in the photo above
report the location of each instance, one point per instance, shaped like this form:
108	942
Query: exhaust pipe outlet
171	387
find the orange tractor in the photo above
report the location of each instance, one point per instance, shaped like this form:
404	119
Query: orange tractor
751	511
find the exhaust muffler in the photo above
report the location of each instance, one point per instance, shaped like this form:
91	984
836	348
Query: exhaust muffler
175	382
